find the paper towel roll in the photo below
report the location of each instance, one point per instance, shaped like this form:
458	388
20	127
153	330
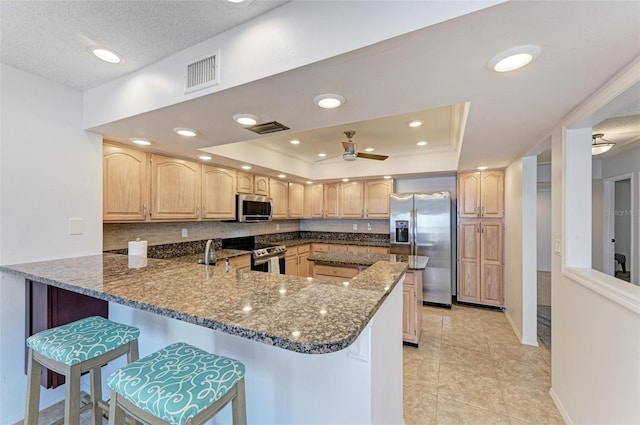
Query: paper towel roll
137	262
138	248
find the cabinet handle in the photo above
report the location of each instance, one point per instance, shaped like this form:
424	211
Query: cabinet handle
144	210
481	228
204	211
482	213
150	215
197	212
478	229
478	213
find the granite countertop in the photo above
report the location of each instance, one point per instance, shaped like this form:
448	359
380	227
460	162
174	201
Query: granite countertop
294	313
296	242
344	258
221	254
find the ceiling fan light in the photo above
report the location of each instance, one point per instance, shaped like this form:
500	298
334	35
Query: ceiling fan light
369	149
141	142
349	156
329	100
415	123
598	148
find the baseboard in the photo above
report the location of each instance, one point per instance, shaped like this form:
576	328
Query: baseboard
561	409
513	325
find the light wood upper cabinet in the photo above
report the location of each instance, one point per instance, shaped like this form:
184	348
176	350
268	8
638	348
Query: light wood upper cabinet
314	201
331	197
125	184
492	194
261	185
218	193
376	198
481	194
296	200
175	189
279	192
244	182
352	199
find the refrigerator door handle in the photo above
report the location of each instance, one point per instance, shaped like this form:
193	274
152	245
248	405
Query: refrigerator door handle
414	222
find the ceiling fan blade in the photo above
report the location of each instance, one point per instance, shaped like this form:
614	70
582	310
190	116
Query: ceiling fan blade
327	157
372	156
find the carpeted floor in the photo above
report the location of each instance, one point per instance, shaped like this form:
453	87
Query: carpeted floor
544	325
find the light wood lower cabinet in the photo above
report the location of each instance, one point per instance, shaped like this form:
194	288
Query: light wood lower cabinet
296	263
241	262
480	262
412	307
319	247
334	273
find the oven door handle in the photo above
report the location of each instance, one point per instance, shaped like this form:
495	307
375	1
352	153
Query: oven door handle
260	261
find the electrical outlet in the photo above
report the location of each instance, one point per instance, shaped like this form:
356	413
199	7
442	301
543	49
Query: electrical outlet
185	232
355	226
76	226
369	226
277	226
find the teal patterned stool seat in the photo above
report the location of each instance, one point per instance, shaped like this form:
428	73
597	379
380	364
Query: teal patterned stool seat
179	384
71	350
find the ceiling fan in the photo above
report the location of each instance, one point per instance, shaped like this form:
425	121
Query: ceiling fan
351	150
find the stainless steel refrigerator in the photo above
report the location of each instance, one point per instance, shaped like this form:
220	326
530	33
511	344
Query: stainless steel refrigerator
420	224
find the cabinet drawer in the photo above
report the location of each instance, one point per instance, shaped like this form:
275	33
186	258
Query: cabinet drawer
239	262
347	272
303	249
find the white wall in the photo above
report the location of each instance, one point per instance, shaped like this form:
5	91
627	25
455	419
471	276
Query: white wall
543	224
596	318
50	171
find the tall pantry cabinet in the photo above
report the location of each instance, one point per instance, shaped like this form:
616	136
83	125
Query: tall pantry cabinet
480	234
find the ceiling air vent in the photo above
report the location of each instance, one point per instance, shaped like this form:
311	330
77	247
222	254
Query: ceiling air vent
268	127
202	74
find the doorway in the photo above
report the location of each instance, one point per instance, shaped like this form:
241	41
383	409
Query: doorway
618	241
543	236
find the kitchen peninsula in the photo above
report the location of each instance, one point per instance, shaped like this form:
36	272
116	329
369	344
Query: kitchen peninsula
316	351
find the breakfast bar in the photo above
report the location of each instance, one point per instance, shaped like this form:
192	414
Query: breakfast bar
316	351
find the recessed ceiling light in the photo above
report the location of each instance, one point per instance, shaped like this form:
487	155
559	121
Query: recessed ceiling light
322	155
386	177
106	55
514	58
415	123
235	1
369	149
482	167
246	167
186	132
204	157
422	143
138	141
329	100
282	176
246	119
309	182
345	180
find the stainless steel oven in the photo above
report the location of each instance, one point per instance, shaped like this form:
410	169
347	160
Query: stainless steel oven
261	254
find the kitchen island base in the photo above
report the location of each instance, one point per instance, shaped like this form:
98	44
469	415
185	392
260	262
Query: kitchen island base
361	384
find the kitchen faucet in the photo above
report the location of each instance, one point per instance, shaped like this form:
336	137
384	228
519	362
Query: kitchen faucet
209	253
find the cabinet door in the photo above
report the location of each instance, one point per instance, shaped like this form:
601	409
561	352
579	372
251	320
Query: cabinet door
304	266
335	247
296	200
469	194
352	200
218	193
314	201
261	185
469	260
357	248
125	184
491	263
244	182
319	247
377	250
279	194
492	194
175	189
376	198
408	313
331	197
291	265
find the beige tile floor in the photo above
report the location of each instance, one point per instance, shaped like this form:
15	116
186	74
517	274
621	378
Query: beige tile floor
468	369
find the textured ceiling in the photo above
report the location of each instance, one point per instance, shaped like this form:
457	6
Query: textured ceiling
50	38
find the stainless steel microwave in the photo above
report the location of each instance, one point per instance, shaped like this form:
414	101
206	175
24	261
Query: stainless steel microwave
253	208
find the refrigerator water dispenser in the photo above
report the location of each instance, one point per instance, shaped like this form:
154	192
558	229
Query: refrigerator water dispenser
402	231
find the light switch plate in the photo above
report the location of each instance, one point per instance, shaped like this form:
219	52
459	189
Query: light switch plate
185	233
76	226
355	226
556	246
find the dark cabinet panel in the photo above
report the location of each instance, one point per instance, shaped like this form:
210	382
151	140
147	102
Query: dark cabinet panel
48	307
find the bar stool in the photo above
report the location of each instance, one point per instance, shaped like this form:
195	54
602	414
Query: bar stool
178	385
72	349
